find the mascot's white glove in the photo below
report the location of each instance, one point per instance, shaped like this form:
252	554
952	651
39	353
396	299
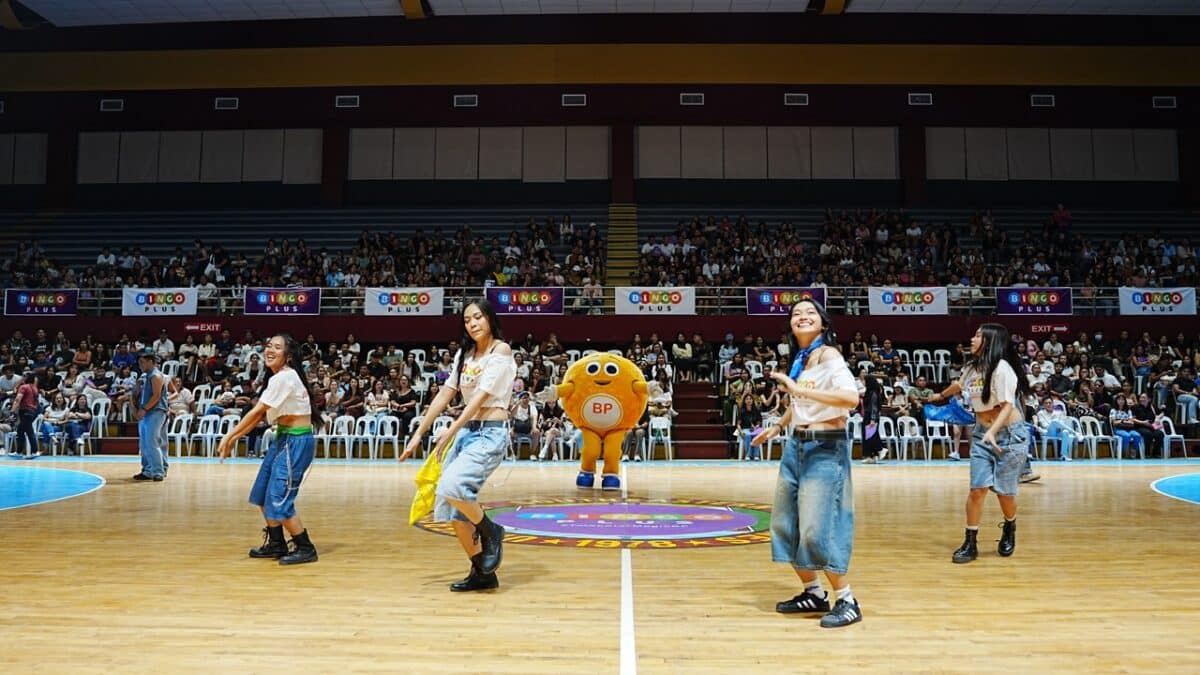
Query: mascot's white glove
547	395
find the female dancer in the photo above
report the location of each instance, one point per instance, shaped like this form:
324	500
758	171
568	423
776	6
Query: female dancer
812	523
1001	438
286	403
873	449
483	371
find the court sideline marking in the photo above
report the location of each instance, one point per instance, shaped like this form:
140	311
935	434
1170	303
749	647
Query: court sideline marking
628	644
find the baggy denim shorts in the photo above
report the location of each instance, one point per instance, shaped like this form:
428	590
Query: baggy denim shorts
812	522
473	457
279	476
1001	472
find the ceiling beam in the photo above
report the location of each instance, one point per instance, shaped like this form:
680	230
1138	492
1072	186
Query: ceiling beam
8	17
413	9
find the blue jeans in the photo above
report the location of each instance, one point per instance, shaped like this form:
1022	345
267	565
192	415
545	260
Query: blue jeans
77	429
48	429
749	451
468	463
1057	431
151	445
1129	439
281	473
1000	472
812	522
1190	403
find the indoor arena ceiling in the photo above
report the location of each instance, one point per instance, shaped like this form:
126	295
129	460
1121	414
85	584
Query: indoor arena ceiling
109	12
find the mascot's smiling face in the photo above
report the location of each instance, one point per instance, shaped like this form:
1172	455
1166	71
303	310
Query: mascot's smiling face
604	396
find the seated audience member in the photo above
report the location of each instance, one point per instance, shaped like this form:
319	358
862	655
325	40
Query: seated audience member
54	418
1050	423
1124	428
78	423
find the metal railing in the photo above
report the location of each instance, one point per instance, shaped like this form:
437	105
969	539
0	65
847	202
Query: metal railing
710	300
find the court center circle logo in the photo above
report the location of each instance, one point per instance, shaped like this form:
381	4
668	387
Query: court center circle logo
628	523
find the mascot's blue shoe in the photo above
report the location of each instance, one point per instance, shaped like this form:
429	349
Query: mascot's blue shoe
585	479
610	482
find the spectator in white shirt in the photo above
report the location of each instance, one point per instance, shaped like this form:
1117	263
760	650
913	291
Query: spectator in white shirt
164	347
1053	347
106	258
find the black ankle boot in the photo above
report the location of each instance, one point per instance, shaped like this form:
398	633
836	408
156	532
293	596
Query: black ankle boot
476	580
273	545
1008	540
969	550
491	540
302	551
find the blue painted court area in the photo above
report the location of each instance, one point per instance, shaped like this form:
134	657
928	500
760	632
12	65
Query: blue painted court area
30	485
1185	488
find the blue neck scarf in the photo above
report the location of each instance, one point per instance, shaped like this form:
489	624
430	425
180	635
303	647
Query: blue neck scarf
802	357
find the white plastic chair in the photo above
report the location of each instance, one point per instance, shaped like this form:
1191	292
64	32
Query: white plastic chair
441	423
887	435
388	431
854	430
936	432
660	432
227	423
941	362
342	432
910	434
364	432
1093	433
177	431
572	356
418	356
201	392
922	361
170	368
206	433
1170	435
756	369
778	440
100	417
412	429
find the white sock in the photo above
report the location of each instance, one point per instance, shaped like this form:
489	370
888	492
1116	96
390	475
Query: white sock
973	528
1011	520
814	587
845	594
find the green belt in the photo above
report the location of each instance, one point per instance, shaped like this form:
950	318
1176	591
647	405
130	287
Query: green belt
281	430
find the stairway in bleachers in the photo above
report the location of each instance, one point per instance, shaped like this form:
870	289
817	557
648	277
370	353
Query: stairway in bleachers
622	252
697	432
75	238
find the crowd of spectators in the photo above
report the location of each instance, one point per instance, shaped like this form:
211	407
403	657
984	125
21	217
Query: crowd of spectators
891	248
1125	380
457	258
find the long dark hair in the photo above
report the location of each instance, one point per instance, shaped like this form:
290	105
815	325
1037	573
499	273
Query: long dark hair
465	339
998	346
828	336
291	360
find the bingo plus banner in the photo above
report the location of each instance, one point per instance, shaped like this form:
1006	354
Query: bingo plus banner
656	300
1025	301
507	300
159	301
1158	301
403	301
292	301
929	301
779	300
37	302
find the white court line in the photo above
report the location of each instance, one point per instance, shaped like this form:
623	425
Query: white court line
628	644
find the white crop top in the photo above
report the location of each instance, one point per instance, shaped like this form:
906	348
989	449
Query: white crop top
1004	387
285	395
492	373
830	374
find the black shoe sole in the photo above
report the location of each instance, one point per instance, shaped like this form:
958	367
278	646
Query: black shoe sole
486	586
963	561
291	560
782	608
265	556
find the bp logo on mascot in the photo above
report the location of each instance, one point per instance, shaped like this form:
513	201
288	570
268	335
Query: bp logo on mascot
604	395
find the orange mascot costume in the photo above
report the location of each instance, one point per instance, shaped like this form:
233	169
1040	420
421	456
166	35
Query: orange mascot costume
604	395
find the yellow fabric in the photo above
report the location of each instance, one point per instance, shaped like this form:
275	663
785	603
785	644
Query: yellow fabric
427	480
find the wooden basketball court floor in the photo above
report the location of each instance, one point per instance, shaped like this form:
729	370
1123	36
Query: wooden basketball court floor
154	578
